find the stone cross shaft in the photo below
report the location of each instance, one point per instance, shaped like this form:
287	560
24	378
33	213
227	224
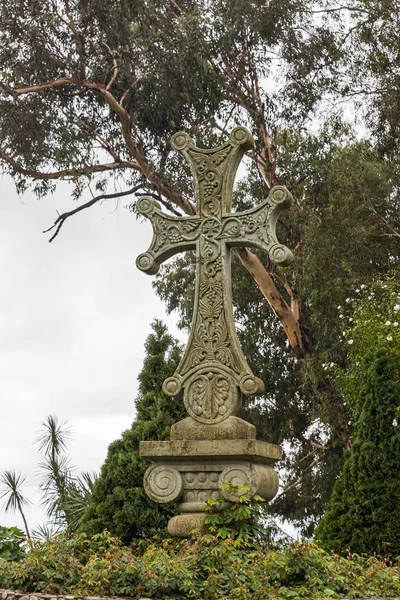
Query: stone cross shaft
214	373
211	449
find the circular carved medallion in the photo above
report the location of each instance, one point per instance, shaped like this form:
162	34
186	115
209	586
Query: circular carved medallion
239	476
163	483
211	395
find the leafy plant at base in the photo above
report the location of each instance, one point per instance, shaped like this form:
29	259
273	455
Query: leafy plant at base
204	567
11	540
240	520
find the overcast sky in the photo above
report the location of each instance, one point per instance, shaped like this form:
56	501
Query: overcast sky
74	316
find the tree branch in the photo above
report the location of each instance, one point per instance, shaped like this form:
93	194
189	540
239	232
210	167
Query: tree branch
300	479
125	123
115	72
59	222
282	310
68	172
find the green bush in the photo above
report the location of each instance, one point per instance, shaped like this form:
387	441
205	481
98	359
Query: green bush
206	567
119	502
11	539
363	513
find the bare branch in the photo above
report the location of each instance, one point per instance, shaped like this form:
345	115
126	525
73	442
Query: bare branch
282	310
300	479
59	222
115	72
86	170
42	86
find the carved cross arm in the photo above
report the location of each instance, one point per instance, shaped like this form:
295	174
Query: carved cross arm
257	227
170	235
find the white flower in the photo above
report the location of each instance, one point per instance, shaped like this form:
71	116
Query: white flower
389	338
350	320
340	316
362	286
350	342
394	423
331	364
339	308
348	300
395	324
388	323
357	290
397	307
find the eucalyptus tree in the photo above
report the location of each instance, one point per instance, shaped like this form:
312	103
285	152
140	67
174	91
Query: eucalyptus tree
91	92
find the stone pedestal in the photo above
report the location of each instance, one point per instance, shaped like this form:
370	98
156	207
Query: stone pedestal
189	471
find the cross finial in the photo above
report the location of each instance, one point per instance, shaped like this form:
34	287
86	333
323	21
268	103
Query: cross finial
214	170
213	373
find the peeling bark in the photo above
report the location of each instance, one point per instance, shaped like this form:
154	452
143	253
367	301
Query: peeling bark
285	314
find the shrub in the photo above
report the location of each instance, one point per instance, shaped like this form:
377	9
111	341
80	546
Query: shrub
11	540
204	567
362	514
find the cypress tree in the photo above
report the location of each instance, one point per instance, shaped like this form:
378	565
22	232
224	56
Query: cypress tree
363	512
119	502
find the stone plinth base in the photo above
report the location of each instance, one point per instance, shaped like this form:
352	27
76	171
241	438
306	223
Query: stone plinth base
190	472
199	450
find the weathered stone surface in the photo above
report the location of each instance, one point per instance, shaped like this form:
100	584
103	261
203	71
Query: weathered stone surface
230	429
213	374
212	449
261	479
163	483
212	446
184	525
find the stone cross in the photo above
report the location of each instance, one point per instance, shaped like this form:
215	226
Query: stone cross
213	374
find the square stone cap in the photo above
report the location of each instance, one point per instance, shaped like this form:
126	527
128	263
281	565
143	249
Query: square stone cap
212	450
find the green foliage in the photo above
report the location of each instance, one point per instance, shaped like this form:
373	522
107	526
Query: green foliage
223	55
203	67
240	521
119	502
64	495
370	319
11	539
204	567
362	514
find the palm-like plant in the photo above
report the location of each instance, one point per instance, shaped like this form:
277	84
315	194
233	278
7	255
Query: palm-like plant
54	437
64	496
10	489
77	499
